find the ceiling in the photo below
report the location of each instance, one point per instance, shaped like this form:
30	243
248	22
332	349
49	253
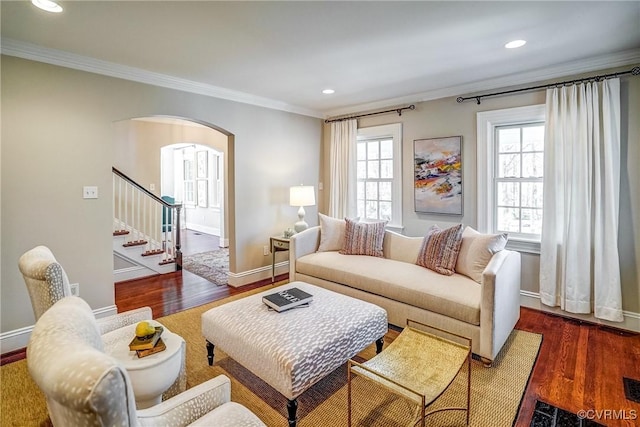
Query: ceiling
283	54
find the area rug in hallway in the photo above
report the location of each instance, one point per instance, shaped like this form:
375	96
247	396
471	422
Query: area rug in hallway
212	265
496	392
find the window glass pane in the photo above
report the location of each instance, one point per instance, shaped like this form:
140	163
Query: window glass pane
361	208
508	194
531	195
508	219
362	153
373	150
532	221
509	140
385	191
386	168
532	165
386	149
509	166
533	138
362	170
372	191
373	169
372	209
385	210
360	190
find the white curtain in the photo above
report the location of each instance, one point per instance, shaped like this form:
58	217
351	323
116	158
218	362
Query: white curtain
579	264
342	196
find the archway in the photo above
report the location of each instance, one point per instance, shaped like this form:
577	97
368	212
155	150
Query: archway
138	154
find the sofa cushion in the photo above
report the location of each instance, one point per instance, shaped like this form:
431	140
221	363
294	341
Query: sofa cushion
455	296
363	238
440	248
400	247
476	251
332	231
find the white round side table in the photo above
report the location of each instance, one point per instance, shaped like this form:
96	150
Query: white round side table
150	375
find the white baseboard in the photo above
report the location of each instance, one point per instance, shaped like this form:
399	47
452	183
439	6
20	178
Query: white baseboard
19	338
532	300
131	273
203	229
251	276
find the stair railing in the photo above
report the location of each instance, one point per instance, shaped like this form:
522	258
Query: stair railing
146	220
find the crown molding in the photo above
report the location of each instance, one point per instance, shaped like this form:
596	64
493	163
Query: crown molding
618	59
34	52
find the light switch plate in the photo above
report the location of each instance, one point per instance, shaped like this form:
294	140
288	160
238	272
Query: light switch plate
89	192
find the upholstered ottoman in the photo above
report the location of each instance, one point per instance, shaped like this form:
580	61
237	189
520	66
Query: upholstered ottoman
294	349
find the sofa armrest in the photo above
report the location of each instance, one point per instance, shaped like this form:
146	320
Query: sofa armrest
500	304
189	405
301	244
117	321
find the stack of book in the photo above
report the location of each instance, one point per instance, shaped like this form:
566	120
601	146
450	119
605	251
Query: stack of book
148	345
287	299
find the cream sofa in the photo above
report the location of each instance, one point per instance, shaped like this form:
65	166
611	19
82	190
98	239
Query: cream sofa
486	312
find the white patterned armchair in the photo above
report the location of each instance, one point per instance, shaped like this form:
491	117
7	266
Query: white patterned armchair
84	386
47	283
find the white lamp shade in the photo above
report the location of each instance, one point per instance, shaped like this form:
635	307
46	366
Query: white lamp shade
302	195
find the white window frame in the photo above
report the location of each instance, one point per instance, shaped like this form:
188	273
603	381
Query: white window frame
393	131
487	121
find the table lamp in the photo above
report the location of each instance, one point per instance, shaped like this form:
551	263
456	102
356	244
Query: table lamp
301	195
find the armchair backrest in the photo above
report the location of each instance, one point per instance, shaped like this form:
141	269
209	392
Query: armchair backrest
45	278
83	386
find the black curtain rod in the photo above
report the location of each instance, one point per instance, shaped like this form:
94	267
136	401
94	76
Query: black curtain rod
395	110
635	71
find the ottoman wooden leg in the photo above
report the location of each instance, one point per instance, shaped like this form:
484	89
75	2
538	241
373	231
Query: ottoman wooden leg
210	353
379	344
292	409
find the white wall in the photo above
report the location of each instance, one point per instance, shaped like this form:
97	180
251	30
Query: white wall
58	135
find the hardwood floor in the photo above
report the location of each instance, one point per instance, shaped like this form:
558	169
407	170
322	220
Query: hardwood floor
580	365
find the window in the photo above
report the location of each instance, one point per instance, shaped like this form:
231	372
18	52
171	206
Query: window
379	175
510	174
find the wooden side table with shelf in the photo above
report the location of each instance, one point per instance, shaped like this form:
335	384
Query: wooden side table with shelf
278	243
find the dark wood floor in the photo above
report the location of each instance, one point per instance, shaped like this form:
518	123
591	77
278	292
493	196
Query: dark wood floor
580	365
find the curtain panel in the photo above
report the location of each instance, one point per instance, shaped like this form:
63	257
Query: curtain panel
579	262
342	188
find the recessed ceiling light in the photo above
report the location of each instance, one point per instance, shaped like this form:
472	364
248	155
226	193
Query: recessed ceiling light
516	43
328	91
48	5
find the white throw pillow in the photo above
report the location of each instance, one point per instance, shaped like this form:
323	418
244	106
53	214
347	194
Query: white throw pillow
332	231
476	252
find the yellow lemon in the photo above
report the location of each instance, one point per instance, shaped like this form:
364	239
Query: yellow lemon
143	329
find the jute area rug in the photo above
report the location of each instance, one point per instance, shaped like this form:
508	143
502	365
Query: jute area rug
212	265
496	392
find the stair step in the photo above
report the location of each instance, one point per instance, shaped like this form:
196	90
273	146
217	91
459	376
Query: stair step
153	252
120	232
135	243
167	261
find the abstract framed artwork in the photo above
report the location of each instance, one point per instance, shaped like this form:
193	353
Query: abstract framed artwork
438	175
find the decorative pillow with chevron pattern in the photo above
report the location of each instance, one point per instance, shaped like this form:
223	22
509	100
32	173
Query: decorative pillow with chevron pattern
440	249
363	238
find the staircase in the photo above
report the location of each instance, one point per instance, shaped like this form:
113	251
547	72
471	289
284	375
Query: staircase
146	228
